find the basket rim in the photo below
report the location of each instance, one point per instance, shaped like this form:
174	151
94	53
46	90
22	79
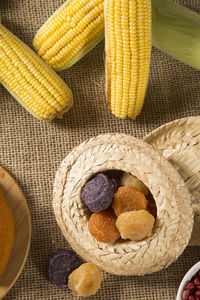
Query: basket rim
62	193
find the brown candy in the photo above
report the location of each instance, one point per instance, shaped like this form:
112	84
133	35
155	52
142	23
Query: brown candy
128	198
135	225
102	226
86	280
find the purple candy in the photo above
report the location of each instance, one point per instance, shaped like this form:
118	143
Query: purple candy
97	194
60	265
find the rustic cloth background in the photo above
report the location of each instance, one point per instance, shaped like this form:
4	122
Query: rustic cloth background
31	150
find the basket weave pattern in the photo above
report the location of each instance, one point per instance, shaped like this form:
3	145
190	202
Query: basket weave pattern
179	142
175	218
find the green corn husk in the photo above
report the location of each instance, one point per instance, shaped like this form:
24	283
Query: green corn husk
176	31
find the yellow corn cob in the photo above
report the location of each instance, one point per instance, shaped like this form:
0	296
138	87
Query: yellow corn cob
32	83
128	51
72	31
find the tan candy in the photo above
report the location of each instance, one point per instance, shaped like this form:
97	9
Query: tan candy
135	225
128	179
85	280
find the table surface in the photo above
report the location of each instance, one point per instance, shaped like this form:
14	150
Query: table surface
31	151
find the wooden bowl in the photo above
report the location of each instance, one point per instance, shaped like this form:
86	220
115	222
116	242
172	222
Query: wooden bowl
174	214
18	205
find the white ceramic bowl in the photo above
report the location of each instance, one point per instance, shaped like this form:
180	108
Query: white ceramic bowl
190	273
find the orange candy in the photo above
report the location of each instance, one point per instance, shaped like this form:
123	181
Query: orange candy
128	198
102	226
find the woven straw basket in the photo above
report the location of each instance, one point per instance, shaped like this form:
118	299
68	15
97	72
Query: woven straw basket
174	214
179	142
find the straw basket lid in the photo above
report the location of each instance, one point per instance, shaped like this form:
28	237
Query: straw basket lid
174	214
179	142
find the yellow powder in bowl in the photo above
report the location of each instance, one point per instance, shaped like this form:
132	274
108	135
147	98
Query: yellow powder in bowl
7	232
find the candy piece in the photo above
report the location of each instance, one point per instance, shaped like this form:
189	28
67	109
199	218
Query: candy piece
97	194
86	280
102	226
130	180
151	206
114	174
128	198
135	225
60	265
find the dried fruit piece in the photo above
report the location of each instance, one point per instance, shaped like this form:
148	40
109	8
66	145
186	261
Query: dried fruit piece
151	206
185	294
192	288
86	280
130	180
197	293
197	280
97	194
135	225
128	198
60	265
102	226
189	285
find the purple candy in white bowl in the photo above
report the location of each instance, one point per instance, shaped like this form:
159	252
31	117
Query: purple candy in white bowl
190	284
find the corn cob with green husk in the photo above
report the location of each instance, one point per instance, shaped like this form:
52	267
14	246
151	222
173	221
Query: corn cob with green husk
128	51
61	41
32	83
70	33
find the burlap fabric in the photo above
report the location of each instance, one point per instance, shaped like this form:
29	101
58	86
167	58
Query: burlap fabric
31	151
